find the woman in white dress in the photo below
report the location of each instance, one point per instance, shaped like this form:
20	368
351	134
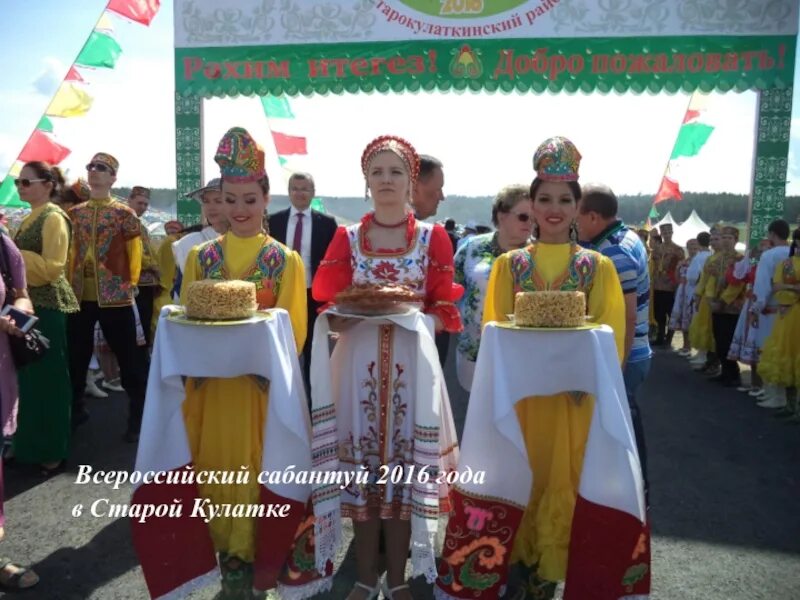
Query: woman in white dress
389	412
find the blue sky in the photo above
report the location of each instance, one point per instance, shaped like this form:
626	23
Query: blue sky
485	141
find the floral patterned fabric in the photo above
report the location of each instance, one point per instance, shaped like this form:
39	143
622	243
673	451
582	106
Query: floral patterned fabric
101	230
473	265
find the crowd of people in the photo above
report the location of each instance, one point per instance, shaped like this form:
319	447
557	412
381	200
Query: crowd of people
82	262
732	309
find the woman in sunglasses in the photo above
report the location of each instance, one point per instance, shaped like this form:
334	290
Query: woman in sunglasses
512	215
553	428
43	431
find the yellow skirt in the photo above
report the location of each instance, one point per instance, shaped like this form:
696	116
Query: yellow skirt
224	421
555	429
701	332
780	357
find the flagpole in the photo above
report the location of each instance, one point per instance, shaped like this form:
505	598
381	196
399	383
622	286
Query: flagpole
674	145
63	80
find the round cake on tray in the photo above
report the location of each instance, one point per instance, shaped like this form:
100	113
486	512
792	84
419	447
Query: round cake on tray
369	300
550	309
219	300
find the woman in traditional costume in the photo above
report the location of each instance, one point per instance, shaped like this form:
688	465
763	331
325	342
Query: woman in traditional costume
554	428
681	315
384	418
512	215
780	356
224	418
743	346
44	425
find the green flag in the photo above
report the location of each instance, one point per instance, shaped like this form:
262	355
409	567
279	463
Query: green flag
283	160
276	107
653	213
691	139
316	204
8	194
45	125
100	50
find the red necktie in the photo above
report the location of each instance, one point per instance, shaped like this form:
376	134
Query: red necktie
298	234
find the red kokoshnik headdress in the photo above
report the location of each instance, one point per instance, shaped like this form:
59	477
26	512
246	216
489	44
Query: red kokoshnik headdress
399	146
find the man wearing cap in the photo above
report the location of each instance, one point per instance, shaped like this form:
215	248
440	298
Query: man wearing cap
666	257
104	271
149	276
308	232
211	212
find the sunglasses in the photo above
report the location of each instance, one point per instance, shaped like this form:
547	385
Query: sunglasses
25	182
99	167
521	217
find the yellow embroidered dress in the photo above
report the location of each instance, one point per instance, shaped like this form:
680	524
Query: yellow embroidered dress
224	418
555	427
701	334
780	356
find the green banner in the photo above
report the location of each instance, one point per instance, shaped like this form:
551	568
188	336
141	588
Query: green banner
655	64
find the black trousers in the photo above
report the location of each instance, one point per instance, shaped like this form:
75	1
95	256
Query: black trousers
144	304
119	328
724	326
662	309
442	346
313	305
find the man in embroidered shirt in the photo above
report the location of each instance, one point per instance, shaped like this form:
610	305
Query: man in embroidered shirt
309	232
666	257
149	277
104	271
604	232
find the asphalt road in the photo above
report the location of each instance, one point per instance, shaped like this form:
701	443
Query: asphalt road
725	479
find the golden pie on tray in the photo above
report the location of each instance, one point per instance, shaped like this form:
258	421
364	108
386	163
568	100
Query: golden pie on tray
220	300
376	300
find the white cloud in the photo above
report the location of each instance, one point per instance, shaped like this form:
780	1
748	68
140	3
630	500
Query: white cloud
48	81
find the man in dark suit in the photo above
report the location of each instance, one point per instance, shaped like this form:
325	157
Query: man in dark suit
308	232
425	198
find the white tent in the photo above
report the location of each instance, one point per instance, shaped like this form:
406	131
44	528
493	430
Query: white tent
689	229
667	220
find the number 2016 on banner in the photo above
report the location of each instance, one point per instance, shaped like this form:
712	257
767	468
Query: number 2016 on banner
458	7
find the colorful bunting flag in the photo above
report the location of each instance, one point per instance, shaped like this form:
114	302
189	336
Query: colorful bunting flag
16	168
8	194
691	138
669	190
289	144
100	50
69	101
45	124
283	161
41	147
74	75
105	24
276	107
316	204
141	11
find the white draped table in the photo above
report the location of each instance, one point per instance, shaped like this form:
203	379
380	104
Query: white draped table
176	553
514	364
